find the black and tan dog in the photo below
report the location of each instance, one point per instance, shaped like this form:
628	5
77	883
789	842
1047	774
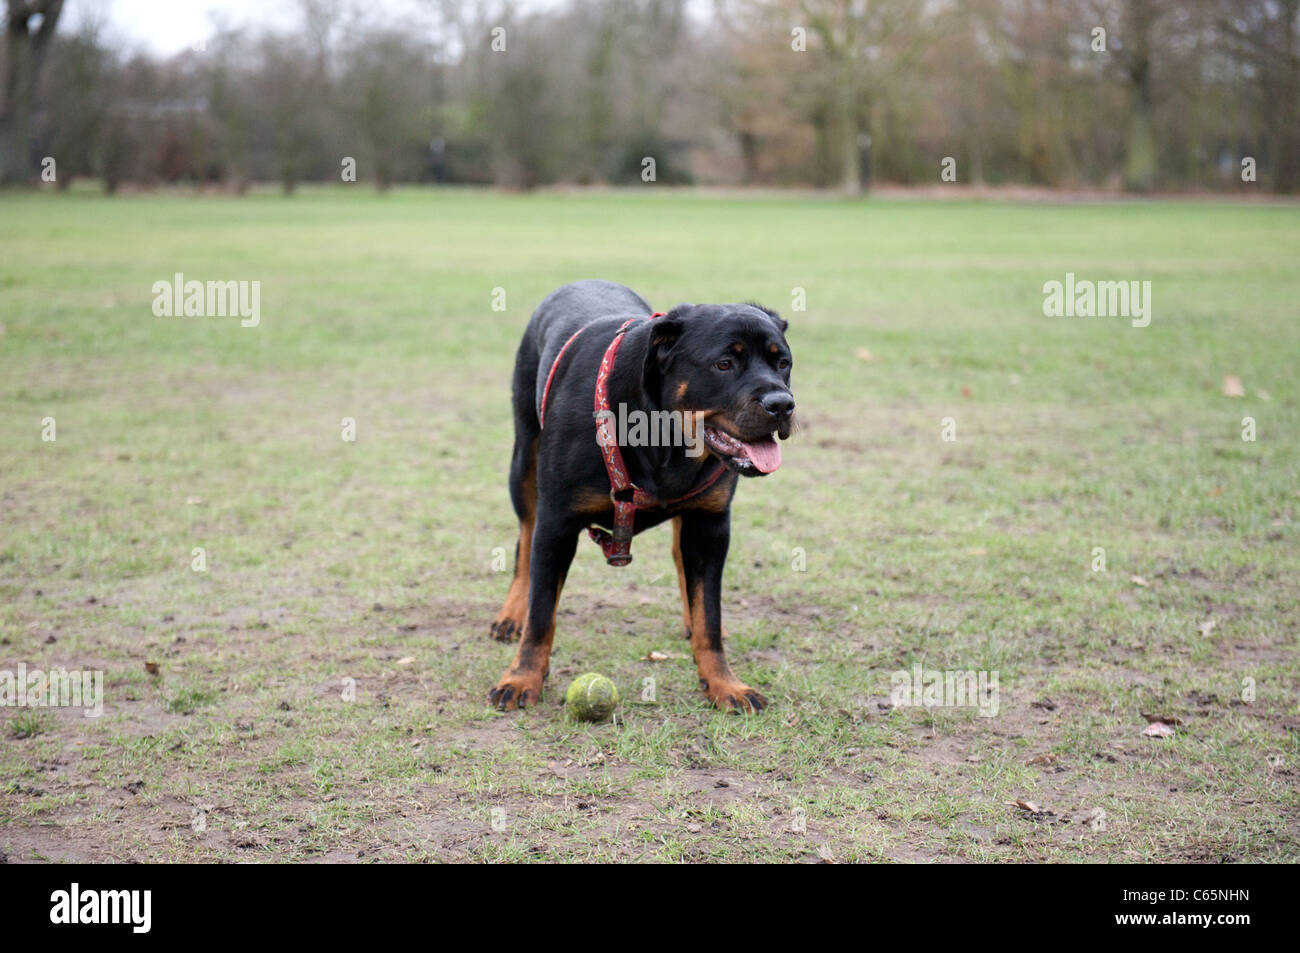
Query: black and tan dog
713	378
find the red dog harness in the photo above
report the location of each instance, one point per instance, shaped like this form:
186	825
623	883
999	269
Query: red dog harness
626	496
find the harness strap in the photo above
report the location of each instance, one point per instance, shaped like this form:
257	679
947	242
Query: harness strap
623	493
546	391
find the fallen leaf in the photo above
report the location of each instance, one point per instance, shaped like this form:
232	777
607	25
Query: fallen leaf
1042	759
151	668
966	392
864	355
1232	386
977	551
1206	627
657	656
1029	806
1158	729
406	661
1139	581
193	500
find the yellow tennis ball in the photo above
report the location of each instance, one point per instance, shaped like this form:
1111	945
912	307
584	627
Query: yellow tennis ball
591	697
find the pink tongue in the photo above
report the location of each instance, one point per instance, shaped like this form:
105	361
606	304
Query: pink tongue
764	454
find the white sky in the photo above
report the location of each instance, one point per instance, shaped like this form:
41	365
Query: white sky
169	26
164	27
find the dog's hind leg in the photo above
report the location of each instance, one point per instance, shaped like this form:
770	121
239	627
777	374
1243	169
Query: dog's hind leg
554	543
681	577
509	623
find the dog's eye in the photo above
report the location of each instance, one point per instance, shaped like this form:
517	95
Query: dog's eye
783	364
723	365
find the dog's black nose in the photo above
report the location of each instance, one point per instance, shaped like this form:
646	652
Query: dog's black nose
778	404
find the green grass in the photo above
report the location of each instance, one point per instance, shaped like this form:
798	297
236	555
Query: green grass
373	560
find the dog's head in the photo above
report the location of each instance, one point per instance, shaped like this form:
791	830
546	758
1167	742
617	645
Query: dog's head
727	366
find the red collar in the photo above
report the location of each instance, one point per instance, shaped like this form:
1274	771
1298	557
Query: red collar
626	496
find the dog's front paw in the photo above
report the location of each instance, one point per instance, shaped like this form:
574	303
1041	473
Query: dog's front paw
507	629
733	695
517	689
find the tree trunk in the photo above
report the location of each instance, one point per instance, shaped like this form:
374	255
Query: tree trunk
1140	149
1140	165
847	122
25	50
1286	110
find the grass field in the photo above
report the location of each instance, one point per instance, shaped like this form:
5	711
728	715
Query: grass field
373	560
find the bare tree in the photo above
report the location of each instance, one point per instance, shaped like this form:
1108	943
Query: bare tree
1140	30
385	92
292	85
1139	24
1265	35
1033	47
75	93
29	26
232	107
861	47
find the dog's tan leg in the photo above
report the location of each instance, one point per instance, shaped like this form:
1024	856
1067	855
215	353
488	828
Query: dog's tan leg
509	623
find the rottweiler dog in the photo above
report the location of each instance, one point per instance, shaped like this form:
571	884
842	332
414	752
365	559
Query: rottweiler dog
694	398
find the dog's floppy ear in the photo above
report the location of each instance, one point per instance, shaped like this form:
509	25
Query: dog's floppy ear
664	332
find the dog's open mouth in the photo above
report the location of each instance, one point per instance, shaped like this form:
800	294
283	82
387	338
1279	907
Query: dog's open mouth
755	456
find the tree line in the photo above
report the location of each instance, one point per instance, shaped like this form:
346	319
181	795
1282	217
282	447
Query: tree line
1135	94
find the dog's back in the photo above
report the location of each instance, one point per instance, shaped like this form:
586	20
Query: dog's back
562	313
